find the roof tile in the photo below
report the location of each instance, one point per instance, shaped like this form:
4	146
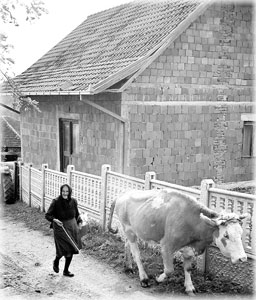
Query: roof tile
105	44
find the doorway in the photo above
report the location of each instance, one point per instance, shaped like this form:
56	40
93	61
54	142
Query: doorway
69	139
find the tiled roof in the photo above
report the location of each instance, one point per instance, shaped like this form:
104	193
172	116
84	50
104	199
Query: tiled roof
107	47
10	132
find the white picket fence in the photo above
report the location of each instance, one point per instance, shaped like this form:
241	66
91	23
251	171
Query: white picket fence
96	193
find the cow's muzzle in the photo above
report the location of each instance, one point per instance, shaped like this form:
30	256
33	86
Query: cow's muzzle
240	259
243	259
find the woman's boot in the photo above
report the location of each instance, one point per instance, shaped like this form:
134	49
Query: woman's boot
56	264
67	263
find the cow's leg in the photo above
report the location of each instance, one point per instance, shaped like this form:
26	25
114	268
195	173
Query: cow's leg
136	255
128	257
132	240
167	255
188	255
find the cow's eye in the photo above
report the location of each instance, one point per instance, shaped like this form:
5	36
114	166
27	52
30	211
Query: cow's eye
226	236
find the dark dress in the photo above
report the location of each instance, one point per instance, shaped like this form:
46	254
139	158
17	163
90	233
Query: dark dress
67	240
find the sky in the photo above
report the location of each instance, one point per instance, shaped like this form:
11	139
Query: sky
32	41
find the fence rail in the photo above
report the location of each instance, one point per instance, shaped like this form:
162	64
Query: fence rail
53	181
118	183
157	184
36	187
87	190
96	193
25	182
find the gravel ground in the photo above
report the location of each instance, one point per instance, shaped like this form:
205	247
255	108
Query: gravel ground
27	251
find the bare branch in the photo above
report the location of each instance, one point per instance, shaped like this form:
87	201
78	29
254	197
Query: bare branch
21	102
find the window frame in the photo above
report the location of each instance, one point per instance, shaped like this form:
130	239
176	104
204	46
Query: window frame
248	136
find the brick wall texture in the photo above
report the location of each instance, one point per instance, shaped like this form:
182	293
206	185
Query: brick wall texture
99	134
183	111
185	108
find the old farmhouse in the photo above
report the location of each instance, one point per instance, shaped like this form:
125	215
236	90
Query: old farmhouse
164	86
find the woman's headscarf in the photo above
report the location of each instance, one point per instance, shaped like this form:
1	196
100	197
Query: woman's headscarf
69	190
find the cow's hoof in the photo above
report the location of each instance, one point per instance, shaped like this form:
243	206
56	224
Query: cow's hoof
145	283
191	293
128	270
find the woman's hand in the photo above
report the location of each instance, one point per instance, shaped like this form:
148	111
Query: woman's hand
80	225
58	222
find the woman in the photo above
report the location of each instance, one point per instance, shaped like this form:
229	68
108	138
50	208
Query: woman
65	220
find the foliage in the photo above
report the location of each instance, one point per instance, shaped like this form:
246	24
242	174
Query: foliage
30	10
14	13
20	102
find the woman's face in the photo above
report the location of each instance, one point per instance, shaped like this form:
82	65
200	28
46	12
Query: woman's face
65	192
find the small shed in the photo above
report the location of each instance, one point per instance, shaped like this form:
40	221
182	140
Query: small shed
164	86
10	138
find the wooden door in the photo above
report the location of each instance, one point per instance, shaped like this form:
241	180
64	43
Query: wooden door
68	142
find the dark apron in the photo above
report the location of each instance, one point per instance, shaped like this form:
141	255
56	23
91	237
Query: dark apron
67	239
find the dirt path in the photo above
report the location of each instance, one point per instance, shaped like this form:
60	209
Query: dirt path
26	272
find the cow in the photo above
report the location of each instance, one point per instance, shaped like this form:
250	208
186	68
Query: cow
175	221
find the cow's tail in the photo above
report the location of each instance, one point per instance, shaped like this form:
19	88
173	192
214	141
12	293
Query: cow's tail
112	208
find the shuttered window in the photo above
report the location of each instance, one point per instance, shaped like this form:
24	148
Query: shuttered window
249	139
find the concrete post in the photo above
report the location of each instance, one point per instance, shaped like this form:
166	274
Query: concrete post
104	170
206	184
2	186
29	184
148	177
15	179
20	164
44	167
70	168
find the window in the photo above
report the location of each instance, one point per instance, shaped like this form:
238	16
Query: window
249	149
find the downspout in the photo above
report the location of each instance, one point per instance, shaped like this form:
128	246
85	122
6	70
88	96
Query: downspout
117	117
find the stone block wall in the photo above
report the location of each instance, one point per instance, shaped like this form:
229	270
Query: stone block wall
212	60
185	143
185	108
39	134
99	133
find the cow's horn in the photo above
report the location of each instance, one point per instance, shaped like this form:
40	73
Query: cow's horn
209	221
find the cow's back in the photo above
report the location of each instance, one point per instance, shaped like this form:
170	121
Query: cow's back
154	214
129	203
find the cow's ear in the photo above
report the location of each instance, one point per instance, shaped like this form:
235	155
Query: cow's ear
243	216
209	221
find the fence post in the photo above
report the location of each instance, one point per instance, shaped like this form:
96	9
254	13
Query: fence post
104	170
70	168
20	164
206	184
2	187
44	167
15	181
29	184
148	177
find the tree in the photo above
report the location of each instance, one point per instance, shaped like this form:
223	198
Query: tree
15	12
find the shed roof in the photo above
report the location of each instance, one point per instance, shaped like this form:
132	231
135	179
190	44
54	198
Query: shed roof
109	46
10	132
